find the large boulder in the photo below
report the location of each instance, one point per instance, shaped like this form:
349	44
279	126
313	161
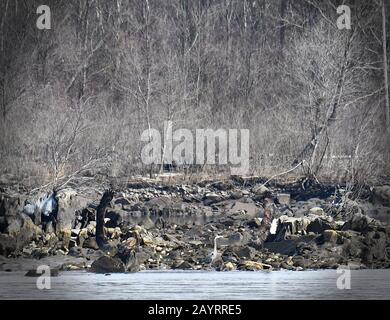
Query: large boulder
16	228
374	247
69	201
107	264
21	234
320	225
245	252
10	207
291	226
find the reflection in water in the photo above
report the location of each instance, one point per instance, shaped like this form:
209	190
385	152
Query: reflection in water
365	284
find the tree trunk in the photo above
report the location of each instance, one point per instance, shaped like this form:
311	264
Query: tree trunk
100	215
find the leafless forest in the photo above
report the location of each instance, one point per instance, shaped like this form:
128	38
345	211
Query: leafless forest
77	97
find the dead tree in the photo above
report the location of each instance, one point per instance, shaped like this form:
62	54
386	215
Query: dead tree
100	215
121	251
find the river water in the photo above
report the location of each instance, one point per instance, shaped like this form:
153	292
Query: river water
364	284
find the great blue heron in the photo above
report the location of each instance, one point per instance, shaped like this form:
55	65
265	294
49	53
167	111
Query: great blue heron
215	258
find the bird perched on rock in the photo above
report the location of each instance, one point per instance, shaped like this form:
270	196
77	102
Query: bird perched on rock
269	206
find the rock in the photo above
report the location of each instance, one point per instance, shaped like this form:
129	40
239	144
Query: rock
90	243
147	240
250	210
301	262
72	267
245	252
113	233
72	243
76	252
229	266
223	185
147	223
330	236
14	225
183	266
254	266
236	194
320	225
130	242
254	223
39	253
34	273
83	235
107	264
26	233
259	190
196	243
285	266
374	247
68	202
7	244
236	239
355	265
289	246
64	235
359	222
284	198
290	226
211	198
317	211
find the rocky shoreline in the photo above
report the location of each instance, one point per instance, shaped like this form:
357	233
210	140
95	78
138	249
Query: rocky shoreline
175	226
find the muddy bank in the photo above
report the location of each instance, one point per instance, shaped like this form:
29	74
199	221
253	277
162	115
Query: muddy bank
179	226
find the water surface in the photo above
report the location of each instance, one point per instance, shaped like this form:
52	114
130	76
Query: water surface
365	284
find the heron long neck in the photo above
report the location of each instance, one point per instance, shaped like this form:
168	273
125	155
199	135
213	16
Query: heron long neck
215	245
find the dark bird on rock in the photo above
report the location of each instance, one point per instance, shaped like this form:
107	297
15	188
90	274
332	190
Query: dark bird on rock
269	201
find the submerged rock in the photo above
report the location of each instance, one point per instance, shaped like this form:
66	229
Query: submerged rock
35	273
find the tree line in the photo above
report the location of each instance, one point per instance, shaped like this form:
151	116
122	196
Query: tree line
79	96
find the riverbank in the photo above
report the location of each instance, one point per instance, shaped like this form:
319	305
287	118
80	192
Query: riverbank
173	227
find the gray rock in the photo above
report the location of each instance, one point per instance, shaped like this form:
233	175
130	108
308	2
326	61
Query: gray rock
107	264
320	225
260	190
68	202
35	273
245	252
90	243
284	198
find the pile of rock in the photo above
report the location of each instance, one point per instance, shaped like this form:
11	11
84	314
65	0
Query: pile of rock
173	227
